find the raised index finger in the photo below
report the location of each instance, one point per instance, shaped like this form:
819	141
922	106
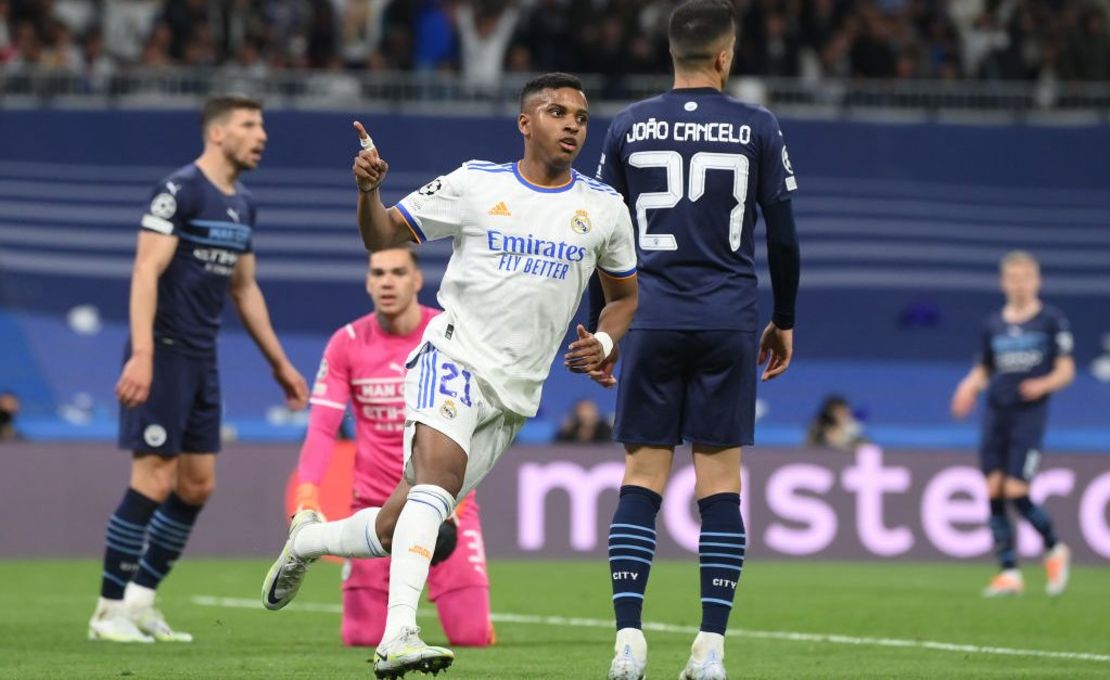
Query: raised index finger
363	137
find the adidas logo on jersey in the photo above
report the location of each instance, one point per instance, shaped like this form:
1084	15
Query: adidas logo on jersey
500	209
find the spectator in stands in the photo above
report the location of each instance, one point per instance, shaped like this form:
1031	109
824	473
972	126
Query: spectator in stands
485	31
98	66
156	52
546	33
835	426
362	29
183	17
1087	52
28	48
584	425
434	36
7	49
9	408
127	27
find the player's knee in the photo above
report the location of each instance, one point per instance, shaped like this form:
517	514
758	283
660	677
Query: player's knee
1015	488
196	491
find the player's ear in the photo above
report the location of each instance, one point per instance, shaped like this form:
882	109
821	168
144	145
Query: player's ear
418	279
524	124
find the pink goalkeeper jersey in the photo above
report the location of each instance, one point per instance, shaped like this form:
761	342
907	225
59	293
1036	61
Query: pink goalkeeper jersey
365	366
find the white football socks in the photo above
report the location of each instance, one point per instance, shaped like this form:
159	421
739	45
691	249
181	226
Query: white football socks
414	541
354	536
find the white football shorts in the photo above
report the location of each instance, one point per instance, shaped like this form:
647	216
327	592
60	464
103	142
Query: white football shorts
447	396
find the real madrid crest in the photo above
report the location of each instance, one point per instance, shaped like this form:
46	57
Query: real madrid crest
448	410
580	223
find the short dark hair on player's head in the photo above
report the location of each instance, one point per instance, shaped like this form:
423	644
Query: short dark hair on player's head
218	106
405	247
548	81
697	26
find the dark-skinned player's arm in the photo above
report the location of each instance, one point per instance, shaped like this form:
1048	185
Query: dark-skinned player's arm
622	296
379	227
776	346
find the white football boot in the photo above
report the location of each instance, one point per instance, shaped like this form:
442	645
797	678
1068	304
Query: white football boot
285	576
630	660
707	658
112	622
139	601
407	652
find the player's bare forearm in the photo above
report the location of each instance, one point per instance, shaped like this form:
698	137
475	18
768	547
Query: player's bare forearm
251	306
622	297
142	307
1062	375
379	227
967	392
976	379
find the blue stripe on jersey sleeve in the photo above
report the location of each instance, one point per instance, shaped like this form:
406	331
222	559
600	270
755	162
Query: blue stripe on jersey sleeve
618	275
413	224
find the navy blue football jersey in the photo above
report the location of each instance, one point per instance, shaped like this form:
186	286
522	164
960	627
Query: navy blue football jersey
692	164
213	229
1012	352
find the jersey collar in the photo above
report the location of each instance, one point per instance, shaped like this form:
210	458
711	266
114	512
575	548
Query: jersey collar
542	188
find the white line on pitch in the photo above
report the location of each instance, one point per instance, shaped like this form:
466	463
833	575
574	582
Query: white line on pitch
574	622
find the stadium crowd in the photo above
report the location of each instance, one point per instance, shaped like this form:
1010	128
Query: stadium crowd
481	39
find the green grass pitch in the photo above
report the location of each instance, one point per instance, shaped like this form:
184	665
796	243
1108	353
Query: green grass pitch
792	620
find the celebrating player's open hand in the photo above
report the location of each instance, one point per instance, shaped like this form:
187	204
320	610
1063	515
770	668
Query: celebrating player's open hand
294	386
586	353
369	168
778	346
134	382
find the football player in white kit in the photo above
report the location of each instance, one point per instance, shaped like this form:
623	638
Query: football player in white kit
527	237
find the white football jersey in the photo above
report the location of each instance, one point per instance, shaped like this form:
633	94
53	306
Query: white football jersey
523	254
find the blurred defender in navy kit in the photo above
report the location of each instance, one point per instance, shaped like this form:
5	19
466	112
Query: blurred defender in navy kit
1025	356
692	164
194	247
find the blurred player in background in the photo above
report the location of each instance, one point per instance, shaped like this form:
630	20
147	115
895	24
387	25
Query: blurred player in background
194	247
1025	356
527	237
692	164
365	363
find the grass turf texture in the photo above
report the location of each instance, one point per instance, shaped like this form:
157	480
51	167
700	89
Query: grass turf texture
45	606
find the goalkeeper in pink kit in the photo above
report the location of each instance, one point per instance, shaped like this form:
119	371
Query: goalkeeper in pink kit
364	365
